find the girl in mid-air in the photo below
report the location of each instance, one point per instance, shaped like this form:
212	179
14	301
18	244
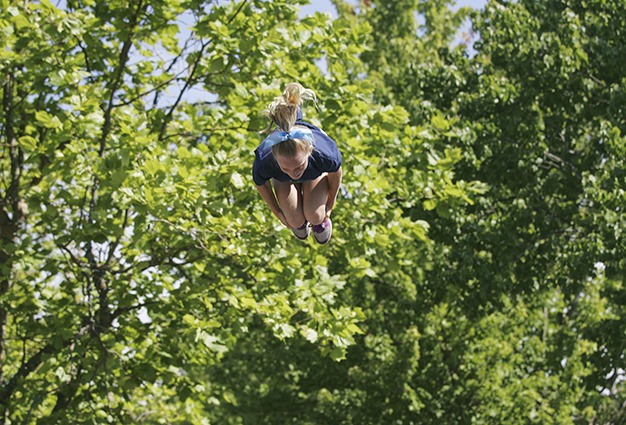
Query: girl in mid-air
297	168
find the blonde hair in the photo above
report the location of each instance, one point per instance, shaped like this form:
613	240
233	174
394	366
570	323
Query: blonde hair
283	112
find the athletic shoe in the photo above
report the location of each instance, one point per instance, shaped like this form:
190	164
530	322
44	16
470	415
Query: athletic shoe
323	232
302	232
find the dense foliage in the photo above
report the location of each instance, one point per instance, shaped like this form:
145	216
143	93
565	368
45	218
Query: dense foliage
476	273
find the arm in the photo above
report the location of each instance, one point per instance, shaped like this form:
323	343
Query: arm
267	193
334	181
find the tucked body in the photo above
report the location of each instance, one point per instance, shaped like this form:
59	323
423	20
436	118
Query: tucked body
298	168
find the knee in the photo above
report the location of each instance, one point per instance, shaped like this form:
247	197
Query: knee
315	216
295	222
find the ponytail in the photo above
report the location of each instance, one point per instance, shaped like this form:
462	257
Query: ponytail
283	111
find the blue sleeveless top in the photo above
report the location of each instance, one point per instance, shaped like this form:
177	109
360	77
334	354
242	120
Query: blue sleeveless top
325	158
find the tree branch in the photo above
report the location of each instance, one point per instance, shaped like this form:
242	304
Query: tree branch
103	314
192	74
6	391
8	224
116	82
116	243
194	67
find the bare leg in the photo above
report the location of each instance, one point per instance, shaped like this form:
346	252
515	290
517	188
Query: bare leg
315	194
290	200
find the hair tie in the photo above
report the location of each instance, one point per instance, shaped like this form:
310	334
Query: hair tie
282	136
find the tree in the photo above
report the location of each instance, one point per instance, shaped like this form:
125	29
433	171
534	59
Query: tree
476	271
384	250
133	255
526	317
517	315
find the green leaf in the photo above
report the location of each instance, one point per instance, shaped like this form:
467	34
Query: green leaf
20	21
28	143
429	204
211	342
237	180
48	120
439	122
